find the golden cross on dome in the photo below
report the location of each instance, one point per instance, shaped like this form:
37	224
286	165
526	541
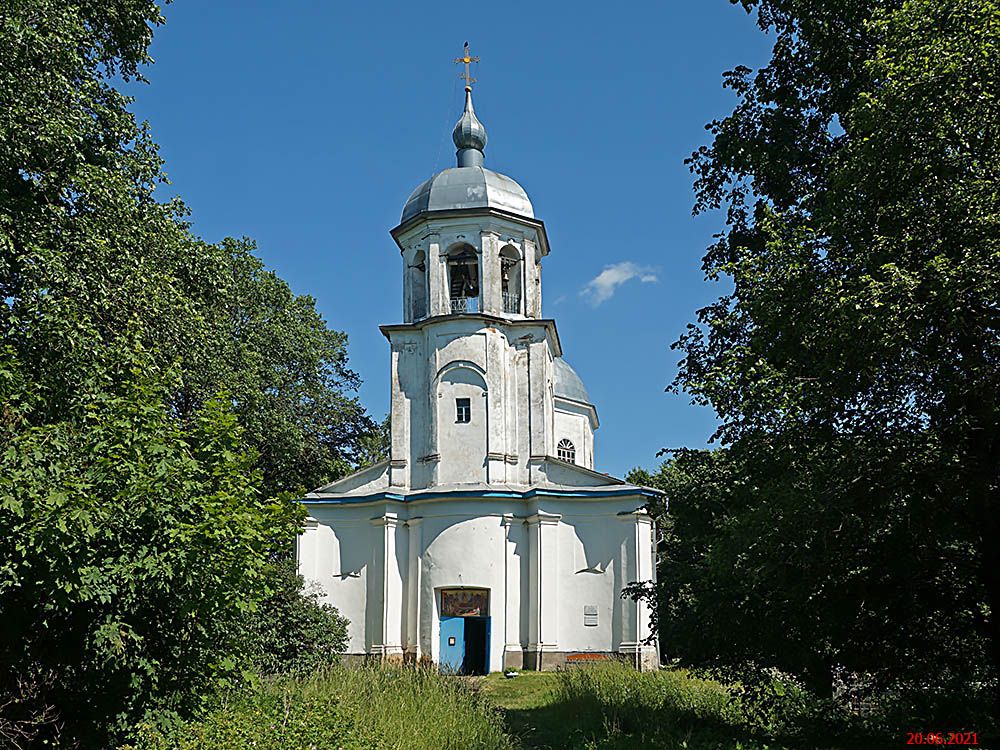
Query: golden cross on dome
466	58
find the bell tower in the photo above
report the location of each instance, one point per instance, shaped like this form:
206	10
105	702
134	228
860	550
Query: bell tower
476	369
492	265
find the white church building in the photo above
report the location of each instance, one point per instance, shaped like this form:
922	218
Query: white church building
487	540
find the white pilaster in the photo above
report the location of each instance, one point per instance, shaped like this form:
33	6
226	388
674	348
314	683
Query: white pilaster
307	550
513	655
490	264
413	572
543	628
532	279
637	566
392	589
399	449
437	277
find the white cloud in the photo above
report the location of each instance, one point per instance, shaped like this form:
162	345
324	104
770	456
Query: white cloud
603	286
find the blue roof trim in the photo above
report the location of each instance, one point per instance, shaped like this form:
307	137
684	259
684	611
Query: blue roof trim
503	494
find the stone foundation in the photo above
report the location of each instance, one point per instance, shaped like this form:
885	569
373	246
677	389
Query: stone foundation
513	658
354	661
642	658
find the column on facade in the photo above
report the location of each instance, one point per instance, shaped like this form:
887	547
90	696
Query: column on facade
408	284
307	550
540	419
543	621
399	448
490	263
497	434
437	277
532	279
520	406
413	574
386	554
513	653
637	565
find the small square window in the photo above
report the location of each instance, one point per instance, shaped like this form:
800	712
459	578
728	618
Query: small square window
463	410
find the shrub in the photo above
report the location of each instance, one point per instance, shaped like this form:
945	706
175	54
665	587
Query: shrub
133	545
292	631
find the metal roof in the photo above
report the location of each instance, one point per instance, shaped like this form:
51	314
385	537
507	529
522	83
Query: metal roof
468	187
567	383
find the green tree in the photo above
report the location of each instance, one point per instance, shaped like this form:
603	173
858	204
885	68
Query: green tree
156	392
854	365
285	370
376	445
133	547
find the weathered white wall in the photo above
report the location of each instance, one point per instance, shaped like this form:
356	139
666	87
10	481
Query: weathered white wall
337	554
462	550
506	372
542	560
575	427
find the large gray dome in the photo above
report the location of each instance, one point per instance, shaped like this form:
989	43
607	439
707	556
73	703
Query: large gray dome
468	187
567	383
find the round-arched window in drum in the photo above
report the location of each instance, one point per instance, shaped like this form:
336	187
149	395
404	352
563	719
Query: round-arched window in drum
566	451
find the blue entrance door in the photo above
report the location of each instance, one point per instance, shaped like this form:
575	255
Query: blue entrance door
452	644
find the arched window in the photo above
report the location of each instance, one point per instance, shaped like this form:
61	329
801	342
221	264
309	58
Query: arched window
510	280
566	451
463	279
418	286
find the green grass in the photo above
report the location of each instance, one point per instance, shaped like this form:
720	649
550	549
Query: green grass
386	707
603	707
612	707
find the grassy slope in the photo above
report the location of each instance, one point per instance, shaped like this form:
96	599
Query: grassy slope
609	707
378	708
614	708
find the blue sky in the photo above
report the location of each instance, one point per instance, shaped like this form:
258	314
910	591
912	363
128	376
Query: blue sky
305	125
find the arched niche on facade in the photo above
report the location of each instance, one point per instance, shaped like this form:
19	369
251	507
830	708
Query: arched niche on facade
416	274
511	272
463	279
462	423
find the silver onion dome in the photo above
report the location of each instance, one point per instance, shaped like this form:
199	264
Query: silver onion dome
469	135
469	185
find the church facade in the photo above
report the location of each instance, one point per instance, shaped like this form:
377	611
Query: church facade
487	540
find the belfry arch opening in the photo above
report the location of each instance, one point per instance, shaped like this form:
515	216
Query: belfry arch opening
463	279
510	280
417	273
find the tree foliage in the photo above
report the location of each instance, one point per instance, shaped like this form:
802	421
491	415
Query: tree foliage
156	393
293	631
133	547
285	371
852	519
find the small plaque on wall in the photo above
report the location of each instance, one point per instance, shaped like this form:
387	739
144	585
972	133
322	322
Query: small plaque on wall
590	615
464	603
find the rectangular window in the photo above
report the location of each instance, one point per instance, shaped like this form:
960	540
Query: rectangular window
463	410
590	615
